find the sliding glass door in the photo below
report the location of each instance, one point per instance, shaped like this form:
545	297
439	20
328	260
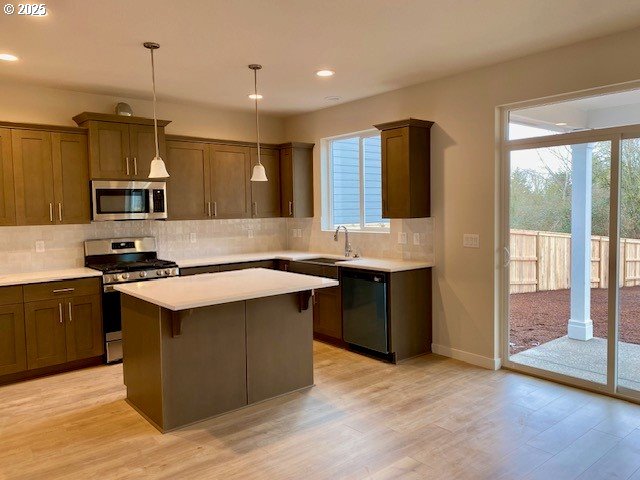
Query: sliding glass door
558	266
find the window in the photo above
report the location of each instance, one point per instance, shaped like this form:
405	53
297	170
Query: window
354	182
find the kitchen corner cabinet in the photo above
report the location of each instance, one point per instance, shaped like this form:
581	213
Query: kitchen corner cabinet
51	177
13	352
406	168
265	196
121	148
7	196
296	179
230	186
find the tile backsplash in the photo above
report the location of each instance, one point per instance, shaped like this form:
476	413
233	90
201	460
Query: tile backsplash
378	245
64	243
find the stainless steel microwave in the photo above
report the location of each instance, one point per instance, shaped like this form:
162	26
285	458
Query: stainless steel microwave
122	200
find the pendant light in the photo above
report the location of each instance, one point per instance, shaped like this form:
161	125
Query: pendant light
158	169
259	173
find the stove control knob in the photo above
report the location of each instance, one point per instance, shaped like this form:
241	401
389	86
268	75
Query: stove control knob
167	271
142	274
159	273
124	276
107	278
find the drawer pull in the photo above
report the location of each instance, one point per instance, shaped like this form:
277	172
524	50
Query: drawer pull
64	290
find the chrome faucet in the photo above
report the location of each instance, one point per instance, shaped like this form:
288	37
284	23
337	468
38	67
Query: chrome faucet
347	245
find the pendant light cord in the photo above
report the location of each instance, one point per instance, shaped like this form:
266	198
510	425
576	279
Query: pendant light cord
255	91
155	120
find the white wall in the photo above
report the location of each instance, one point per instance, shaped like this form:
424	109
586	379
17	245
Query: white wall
35	104
465	187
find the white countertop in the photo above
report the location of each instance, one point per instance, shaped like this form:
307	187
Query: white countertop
181	293
379	264
47	276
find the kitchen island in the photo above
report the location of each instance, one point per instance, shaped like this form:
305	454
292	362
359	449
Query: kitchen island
196	347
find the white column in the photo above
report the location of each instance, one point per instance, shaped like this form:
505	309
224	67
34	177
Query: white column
580	324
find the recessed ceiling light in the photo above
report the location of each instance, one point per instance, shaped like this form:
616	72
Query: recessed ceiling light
333	98
325	73
7	57
561	124
253	96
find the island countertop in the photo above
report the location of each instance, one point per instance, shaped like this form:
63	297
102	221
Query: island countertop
182	293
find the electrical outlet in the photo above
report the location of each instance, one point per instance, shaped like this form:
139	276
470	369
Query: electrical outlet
193	238
402	238
294	233
471	240
40	246
416	239
299	232
250	233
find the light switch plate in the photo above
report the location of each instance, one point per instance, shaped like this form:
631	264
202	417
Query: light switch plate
299	232
250	233
471	240
40	246
294	233
416	239
402	238
193	238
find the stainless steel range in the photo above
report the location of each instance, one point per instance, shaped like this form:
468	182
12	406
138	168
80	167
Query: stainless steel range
123	260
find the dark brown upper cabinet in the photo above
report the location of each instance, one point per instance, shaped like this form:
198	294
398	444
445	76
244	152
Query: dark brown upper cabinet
406	168
7	197
51	178
296	179
265	196
229	173
188	188
121	148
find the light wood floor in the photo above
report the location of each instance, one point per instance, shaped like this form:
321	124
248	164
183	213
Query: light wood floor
430	418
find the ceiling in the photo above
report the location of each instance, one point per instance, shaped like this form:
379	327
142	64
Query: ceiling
373	45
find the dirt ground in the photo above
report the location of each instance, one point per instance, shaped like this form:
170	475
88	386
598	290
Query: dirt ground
539	317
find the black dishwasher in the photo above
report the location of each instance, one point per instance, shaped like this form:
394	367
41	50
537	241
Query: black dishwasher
364	309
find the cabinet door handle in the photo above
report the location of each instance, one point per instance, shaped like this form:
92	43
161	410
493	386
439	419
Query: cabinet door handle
290	207
127	165
135	165
63	290
60	211
60	311
51	212
209	209
255	208
215	209
70	313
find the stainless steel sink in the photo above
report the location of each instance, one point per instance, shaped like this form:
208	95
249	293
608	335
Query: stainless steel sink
323	260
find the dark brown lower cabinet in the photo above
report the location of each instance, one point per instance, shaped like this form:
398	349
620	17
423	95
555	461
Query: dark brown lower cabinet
63	330
84	327
327	312
227	267
46	336
13	355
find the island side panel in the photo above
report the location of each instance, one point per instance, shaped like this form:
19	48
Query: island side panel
204	368
279	346
141	344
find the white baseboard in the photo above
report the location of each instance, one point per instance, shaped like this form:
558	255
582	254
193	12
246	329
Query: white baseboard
468	357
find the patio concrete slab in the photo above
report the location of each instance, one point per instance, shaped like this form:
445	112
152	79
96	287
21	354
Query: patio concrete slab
584	359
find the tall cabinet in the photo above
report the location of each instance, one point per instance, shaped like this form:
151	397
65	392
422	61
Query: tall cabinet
7	197
296	178
51	177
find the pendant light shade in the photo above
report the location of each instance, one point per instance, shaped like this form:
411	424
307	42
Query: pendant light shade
158	168
259	173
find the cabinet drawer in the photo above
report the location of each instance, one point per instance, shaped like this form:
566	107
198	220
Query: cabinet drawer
244	265
198	270
313	269
10	295
65	288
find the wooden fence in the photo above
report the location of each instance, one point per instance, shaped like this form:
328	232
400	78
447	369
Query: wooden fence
542	261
